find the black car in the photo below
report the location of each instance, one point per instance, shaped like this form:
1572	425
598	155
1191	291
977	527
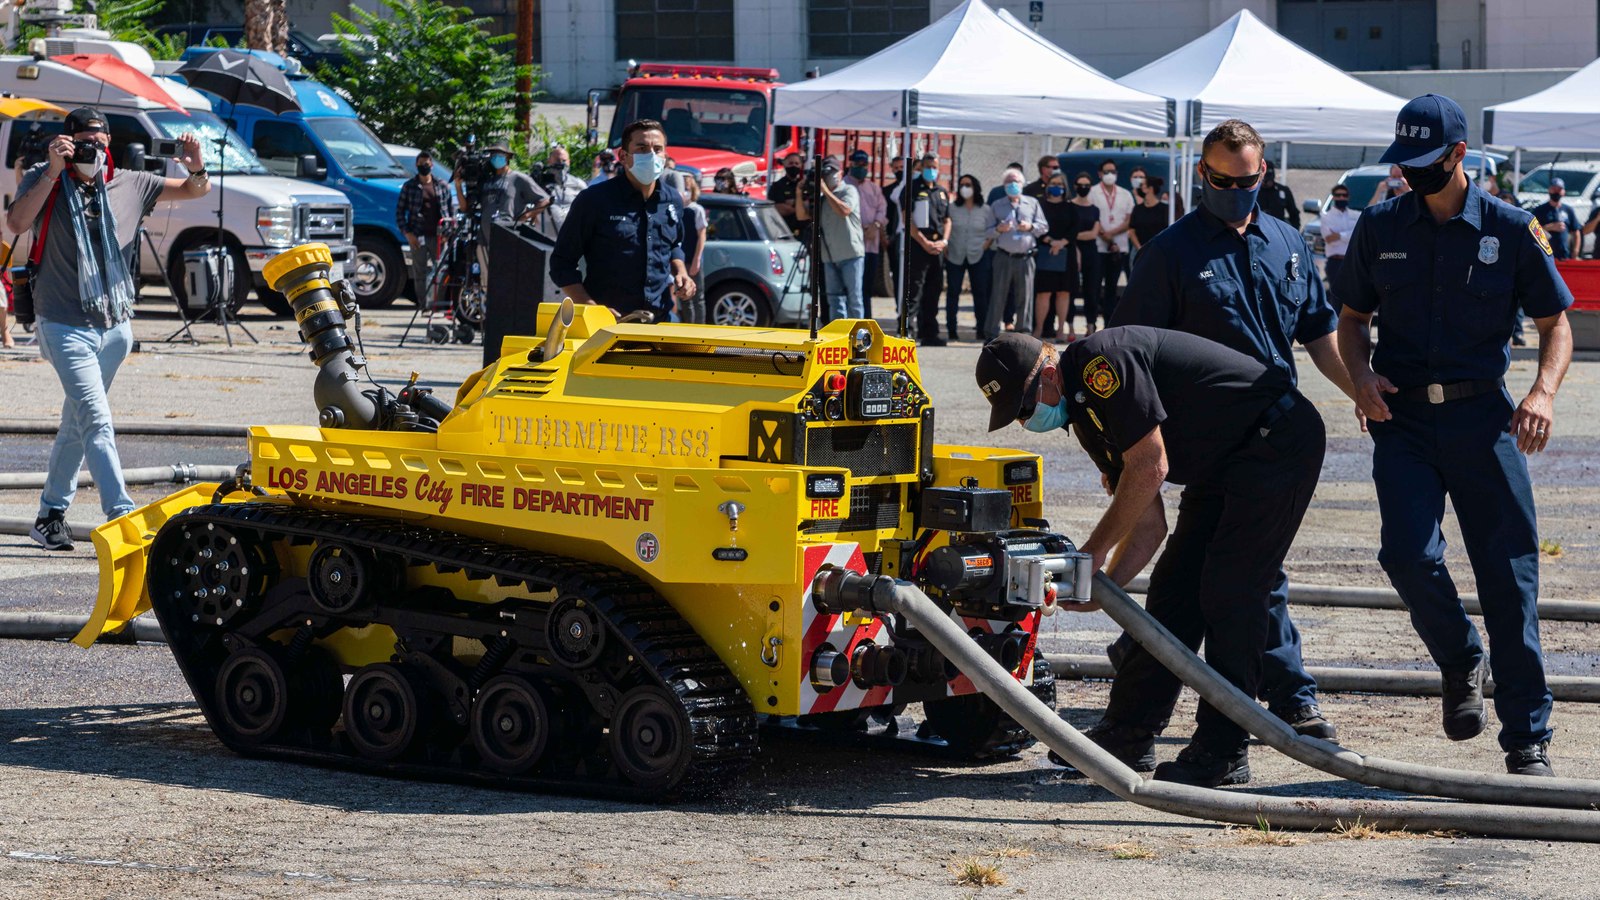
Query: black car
310	51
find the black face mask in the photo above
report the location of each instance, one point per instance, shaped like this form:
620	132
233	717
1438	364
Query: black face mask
424	168
1082	190
1555	196
1341	203
792	171
1428	180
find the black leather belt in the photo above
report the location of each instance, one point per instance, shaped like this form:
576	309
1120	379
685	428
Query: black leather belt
1455	390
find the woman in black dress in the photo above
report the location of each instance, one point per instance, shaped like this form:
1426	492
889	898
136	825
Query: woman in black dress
1055	271
1088	230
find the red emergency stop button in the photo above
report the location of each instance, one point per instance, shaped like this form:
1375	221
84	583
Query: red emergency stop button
833	382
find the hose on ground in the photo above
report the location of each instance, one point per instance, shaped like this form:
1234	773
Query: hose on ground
177	473
1239	807
20	526
1344	680
60	627
171	429
1244	711
1383	598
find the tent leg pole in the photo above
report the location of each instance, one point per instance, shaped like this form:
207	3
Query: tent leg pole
1172	182
1283	161
905	226
1516	170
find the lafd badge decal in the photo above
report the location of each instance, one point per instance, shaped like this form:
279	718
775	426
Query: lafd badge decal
1098	376
1489	250
1537	231
647	548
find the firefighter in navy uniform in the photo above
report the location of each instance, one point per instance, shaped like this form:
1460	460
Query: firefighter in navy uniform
1448	267
1231	272
1151	406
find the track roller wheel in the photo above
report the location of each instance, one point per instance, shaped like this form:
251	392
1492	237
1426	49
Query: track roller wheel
510	724
343	579
385	711
649	738
252	697
577	636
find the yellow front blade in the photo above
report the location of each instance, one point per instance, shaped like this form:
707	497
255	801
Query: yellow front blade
122	545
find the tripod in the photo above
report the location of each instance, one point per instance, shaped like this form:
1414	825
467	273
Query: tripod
459	252
183	314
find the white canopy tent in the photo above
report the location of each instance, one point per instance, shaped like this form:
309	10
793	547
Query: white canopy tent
1564	116
973	71
1244	70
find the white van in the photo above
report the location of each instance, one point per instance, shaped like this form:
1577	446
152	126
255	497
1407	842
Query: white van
263	214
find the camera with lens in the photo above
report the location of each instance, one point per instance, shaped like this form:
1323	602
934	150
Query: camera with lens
85	151
472	168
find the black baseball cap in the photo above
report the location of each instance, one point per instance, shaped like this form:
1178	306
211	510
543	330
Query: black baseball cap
859	155
1423	129
1006	371
84	118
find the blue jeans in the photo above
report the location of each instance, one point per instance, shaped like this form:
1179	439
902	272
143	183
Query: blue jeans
1461	449
844	288
85	359
980	272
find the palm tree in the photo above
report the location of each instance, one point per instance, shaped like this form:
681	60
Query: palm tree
266	25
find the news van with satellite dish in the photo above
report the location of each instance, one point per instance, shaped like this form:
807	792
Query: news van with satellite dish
261	213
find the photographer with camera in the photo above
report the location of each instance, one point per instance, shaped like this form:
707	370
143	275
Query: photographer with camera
629	232
505	196
604	167
424	202
562	186
843	247
85	217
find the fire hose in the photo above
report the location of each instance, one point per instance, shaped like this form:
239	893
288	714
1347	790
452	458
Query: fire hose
883	596
177	473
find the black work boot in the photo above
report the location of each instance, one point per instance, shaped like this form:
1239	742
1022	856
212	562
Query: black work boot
1309	721
1134	746
1464	718
1201	767
1532	759
1117	653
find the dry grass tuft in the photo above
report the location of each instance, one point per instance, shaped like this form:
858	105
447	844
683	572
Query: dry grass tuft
1262	835
1129	850
974	872
1361	831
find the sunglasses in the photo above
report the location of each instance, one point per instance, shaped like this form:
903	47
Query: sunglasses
1231	182
1052	168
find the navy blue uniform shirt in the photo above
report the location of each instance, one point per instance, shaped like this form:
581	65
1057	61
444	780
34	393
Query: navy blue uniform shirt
1560	242
627	244
1256	293
1447	295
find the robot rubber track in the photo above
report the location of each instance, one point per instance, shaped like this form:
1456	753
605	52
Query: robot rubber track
679	723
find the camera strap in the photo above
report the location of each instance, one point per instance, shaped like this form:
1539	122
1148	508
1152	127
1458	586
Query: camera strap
37	253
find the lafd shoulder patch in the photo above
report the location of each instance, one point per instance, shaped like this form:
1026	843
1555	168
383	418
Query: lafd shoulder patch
1098	376
1538	234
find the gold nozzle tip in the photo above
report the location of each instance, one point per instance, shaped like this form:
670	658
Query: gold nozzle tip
294	258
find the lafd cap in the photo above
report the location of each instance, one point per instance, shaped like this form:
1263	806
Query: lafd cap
1423	129
1006	368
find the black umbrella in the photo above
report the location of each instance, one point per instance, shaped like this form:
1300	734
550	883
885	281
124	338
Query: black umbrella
242	79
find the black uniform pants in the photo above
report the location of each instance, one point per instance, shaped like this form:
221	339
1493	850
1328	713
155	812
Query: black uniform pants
1214	582
924	284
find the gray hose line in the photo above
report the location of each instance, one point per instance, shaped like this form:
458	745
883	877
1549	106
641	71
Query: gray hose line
177	473
20	526
1384	598
1335	760
1239	807
58	627
1337	680
175	429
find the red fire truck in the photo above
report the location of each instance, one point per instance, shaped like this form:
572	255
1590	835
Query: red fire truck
721	117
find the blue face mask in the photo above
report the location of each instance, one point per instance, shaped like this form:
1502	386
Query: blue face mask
1229	205
498	161
647	167
930	174
1046	419
1013	189
1055	190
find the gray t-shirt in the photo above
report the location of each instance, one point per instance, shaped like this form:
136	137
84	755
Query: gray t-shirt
131	195
508	196
841	235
